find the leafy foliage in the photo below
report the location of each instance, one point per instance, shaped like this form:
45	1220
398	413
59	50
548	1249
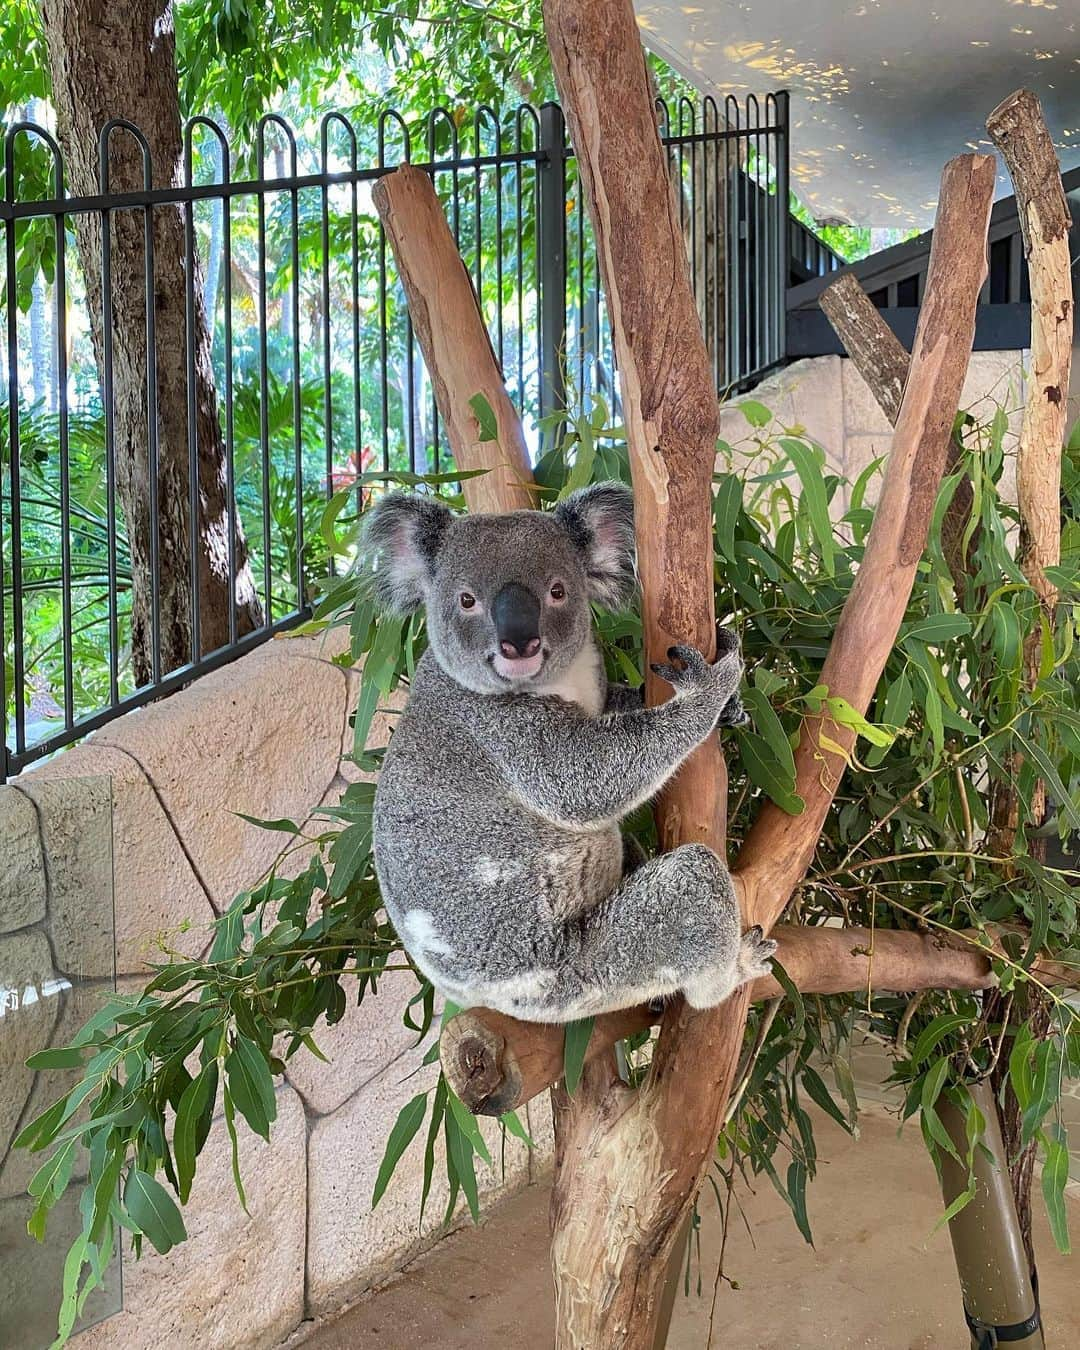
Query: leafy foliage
901	850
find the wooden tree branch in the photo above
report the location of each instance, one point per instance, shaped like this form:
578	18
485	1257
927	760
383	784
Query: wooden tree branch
454	340
879	356
1019	132
496	1063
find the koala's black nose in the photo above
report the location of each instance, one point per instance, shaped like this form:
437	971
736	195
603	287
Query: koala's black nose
516	613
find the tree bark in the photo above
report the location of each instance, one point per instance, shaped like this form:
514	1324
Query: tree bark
629	1164
108	61
457	349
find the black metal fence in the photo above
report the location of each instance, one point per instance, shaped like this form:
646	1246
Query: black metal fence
316	375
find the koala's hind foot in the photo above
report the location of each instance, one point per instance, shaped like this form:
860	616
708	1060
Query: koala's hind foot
672	924
753	961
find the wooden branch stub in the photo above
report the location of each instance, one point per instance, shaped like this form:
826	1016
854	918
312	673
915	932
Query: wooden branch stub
455	343
876	351
1017	128
880	358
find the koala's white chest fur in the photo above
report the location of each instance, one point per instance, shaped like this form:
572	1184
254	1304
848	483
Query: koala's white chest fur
582	682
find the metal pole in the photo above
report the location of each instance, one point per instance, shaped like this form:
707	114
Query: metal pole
1000	1302
551	257
783	209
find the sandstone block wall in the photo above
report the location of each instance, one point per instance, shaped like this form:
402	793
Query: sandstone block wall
139	821
829	400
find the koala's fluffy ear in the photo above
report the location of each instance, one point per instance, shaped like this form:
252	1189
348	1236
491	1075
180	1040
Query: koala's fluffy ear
600	520
402	537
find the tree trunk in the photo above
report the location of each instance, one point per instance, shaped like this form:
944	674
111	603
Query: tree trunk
107	61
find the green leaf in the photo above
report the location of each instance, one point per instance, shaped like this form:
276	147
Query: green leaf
1055	1174
815	497
796	1186
1057	788
934	1082
755	413
486	421
511	1122
931	1036
819	1093
192	1120
847	716
282	825
459	1158
251	1085
230	1125
960	1202
575	1042
333	508
468	1125
726	507
438	1107
938	629
65	1057
153	1210
410	1118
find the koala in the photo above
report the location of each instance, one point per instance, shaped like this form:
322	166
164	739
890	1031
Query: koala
496	822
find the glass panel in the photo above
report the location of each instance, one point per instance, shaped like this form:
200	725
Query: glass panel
57	965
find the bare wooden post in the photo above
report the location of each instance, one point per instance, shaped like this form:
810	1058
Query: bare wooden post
1017	128
457	349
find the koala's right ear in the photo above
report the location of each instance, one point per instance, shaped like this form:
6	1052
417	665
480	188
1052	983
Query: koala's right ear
402	536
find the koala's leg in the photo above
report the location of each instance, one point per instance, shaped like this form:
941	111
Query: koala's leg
671	925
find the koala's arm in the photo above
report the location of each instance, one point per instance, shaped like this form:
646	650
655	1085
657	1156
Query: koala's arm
621	698
579	771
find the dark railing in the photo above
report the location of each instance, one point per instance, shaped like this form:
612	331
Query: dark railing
317	371
895	280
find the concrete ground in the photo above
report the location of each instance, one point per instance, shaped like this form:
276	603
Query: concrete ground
878	1277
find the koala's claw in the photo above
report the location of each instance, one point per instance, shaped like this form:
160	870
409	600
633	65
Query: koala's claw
727	641
733	714
755	953
693	671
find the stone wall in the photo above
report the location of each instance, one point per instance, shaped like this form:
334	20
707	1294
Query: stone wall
266	736
827	399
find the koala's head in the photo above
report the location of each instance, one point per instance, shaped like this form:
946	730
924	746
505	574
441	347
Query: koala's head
507	596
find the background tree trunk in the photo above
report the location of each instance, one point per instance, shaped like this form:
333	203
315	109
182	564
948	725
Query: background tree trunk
110	60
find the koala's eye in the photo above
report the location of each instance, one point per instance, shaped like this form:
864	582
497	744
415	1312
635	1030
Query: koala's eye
558	591
466	600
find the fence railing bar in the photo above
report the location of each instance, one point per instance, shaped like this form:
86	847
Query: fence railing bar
175	680
549	324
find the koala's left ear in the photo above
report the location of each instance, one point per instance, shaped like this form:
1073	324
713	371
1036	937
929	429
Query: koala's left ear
403	534
600	521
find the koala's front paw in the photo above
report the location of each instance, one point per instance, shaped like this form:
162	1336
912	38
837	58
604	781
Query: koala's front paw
694	673
733	714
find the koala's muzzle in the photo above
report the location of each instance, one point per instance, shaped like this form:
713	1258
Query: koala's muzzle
516	614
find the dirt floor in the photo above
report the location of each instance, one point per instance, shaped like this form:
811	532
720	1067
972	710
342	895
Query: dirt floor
877	1278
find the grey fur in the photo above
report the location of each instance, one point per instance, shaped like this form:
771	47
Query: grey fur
497	838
